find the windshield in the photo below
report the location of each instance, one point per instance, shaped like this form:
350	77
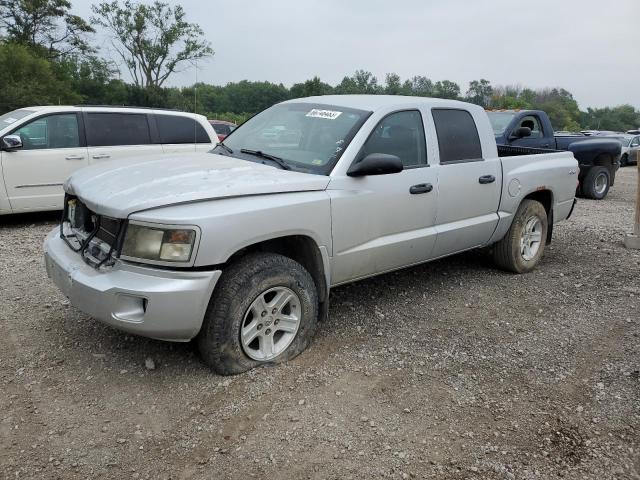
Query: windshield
308	137
12	117
500	121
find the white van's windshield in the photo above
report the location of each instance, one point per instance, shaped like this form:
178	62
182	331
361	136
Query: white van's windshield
12	117
304	136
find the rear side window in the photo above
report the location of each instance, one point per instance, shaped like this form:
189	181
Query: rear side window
110	129
458	138
176	129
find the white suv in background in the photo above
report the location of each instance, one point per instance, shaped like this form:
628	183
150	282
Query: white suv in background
42	146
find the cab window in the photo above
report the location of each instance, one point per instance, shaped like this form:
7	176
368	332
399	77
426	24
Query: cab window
532	122
400	134
458	139
53	131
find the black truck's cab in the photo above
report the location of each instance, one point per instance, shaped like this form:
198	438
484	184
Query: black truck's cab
599	158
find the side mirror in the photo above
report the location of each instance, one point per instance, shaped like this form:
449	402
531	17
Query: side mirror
521	133
11	142
376	164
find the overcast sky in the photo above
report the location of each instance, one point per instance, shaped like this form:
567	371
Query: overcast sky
589	47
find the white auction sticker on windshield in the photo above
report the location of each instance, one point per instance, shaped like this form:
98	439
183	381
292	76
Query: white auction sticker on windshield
328	114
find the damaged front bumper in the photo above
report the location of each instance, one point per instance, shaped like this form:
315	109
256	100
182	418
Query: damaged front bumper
156	303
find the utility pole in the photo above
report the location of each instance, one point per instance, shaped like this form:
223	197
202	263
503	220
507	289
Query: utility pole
632	240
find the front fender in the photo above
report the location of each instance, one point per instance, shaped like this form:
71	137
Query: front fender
231	224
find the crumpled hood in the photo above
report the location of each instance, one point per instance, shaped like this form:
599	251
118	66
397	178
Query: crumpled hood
119	188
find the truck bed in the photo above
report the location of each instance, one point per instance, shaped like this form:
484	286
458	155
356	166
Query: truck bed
513	151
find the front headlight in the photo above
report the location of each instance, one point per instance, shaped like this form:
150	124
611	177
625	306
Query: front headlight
158	244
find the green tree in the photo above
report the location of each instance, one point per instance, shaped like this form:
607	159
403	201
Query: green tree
47	26
154	41
310	88
393	85
620	118
446	89
93	79
27	79
419	86
480	92
361	82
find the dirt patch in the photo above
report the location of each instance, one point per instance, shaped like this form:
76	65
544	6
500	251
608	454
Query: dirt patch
448	370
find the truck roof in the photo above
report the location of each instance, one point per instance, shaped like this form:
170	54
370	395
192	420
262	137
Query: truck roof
376	102
511	110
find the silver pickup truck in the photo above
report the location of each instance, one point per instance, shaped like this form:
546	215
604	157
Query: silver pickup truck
238	248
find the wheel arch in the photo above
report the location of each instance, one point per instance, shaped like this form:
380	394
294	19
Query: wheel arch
545	197
304	250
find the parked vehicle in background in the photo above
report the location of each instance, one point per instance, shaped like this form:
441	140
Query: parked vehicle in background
630	148
599	133
222	128
598	157
240	247
41	146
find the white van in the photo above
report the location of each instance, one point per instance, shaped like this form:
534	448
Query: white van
42	146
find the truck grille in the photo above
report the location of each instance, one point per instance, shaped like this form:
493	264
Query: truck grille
96	237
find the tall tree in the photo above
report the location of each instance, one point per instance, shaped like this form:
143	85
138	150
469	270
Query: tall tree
393	84
480	92
419	86
154	41
28	79
361	82
45	25
310	88
447	89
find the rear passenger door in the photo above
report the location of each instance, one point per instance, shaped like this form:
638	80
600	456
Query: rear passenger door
182	134
119	135
469	185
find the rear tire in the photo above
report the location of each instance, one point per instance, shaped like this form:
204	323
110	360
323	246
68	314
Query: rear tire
596	183
624	161
245	326
522	247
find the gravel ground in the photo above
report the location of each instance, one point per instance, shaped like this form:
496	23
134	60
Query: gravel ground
448	370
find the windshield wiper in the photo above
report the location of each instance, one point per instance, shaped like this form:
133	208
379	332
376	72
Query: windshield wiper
227	149
279	161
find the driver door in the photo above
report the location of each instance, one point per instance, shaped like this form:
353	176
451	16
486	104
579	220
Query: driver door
385	222
52	149
537	138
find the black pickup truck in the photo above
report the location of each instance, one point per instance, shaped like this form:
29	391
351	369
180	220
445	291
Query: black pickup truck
599	158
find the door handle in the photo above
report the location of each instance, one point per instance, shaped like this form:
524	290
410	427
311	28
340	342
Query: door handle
545	145
101	156
487	179
420	188
74	157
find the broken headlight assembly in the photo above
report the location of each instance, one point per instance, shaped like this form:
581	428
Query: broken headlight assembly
159	244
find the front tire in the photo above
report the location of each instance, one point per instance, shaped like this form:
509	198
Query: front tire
596	183
263	311
522	247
